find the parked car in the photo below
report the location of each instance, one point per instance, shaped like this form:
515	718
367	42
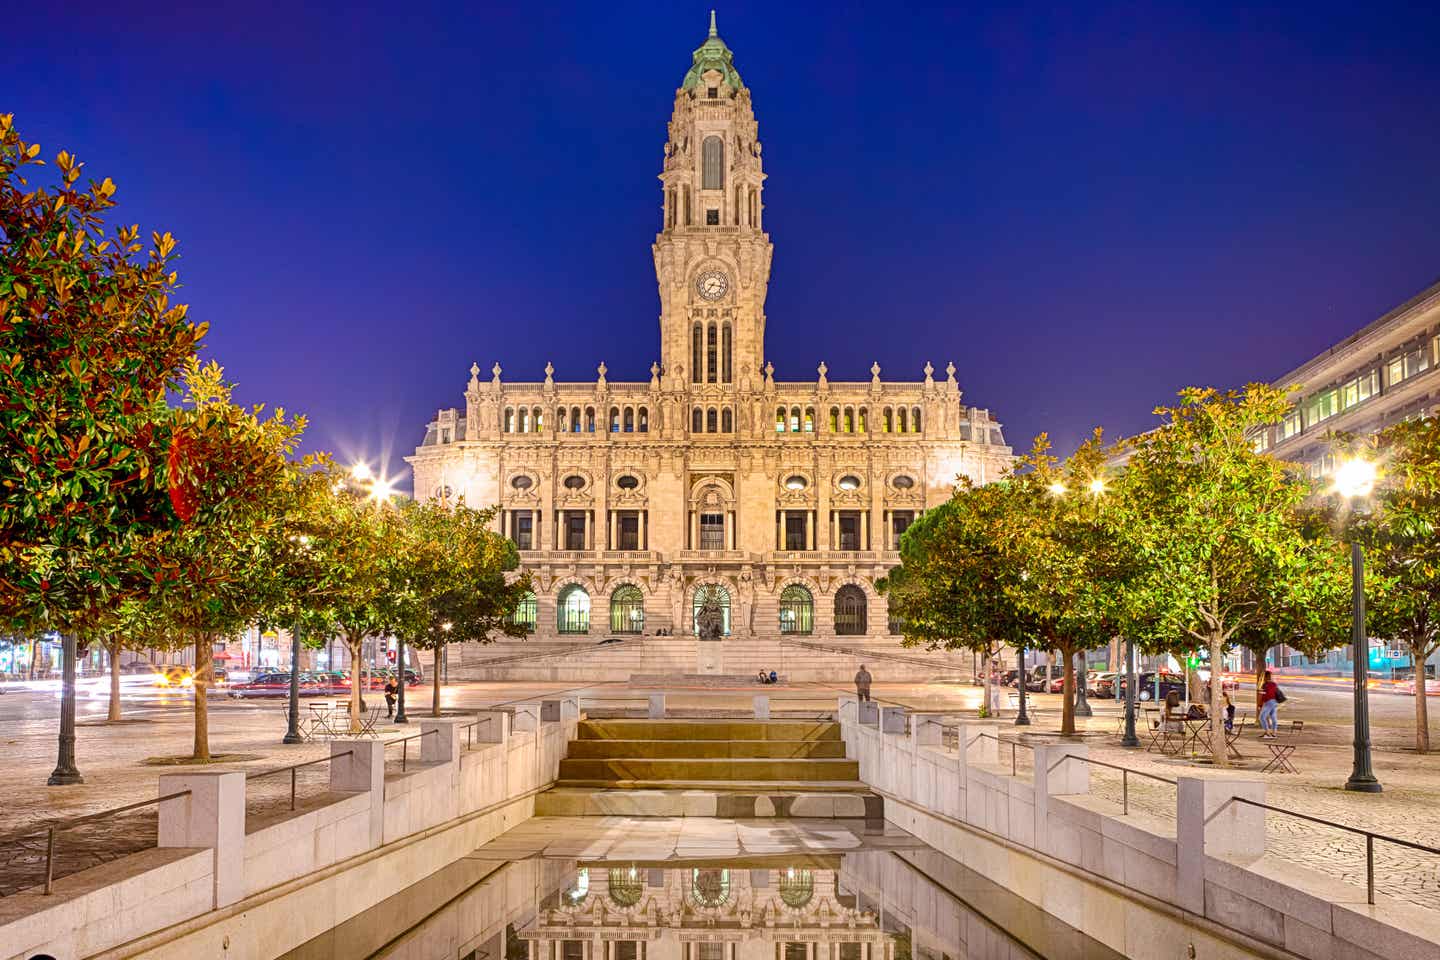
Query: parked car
174	677
1103	685
1145	688
274	685
1007	679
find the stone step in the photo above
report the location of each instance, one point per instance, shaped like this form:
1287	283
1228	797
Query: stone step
574	801
669	680
707	749
709	769
709	730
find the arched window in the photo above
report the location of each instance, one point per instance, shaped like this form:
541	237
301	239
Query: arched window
738	192
697	353
712	421
686	192
904	421
834	419
509	420
779	419
538	419
572	611
754	208
797	887
725	364
712	355
524	417
614	419
524	613
915	419
727	421
849	419
797	610
629	419
627	610
710	887
809	419
794	419
697	420
712	163
575	424
589	419
670	208
849	611
704	594
889	422
644	419
863	426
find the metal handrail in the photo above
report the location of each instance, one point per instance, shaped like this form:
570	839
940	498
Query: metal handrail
405	745
1369	835
469	729
1124	776
1014	768
51	829
296	766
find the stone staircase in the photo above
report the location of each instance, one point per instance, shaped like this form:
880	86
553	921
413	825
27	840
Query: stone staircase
709	768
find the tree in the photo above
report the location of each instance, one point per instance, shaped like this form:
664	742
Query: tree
229	471
1216	523
458	574
1402	547
90	342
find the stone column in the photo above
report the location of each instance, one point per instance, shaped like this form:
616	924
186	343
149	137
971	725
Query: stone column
728	528
644	542
1208	823
865	530
359	766
780	530
211	815
694	529
809	529
614	543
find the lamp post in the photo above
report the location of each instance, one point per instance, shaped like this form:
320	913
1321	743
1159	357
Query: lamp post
1022	719
400	716
292	732
1129	739
1354	480
65	772
1082	705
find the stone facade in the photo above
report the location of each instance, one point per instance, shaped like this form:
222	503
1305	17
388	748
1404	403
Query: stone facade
781	501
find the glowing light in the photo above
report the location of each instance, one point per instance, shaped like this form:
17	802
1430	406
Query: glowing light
1057	488
1097	486
361	471
1355	478
382	490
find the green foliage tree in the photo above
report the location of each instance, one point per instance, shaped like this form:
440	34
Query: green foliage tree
458	580
1402	548
90	342
230	473
1216	525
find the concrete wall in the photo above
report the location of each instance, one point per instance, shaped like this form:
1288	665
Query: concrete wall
1140	886
222	886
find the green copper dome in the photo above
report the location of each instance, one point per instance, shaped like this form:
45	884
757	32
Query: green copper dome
713	55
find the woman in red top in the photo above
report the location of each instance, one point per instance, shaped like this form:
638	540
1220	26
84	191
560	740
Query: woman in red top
1269	708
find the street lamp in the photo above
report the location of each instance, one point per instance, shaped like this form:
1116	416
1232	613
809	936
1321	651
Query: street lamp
292	730
1082	702
1130	739
1354	480
1022	719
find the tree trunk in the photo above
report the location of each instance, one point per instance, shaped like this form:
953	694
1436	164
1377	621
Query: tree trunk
113	648
1218	755
1067	693
1259	682
356	679
435	683
1422	709
204	651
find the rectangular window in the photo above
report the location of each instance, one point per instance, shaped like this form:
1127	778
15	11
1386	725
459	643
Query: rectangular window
1290	426
629	529
1407	365
795	531
900	521
1323	406
1261	440
627	950
523	531
849	524
574	530
1360	389
712	218
712	531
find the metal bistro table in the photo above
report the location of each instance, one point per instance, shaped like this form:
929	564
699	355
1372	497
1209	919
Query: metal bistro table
320	715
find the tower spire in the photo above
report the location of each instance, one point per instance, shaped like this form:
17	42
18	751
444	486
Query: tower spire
713	32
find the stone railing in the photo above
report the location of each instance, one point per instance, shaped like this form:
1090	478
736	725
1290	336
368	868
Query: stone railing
475	777
1133	882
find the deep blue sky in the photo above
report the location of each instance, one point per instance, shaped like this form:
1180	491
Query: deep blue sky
1085	206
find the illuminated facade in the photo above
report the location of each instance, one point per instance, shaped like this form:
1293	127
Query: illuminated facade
781	500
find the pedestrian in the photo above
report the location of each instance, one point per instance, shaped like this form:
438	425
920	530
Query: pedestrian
862	683
1229	711
1270	700
389	697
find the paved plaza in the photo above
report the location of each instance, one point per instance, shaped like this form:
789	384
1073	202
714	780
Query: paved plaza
112	758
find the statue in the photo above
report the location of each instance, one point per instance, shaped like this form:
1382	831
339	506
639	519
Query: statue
710	620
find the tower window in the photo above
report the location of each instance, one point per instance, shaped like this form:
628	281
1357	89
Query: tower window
712	218
712	164
713	93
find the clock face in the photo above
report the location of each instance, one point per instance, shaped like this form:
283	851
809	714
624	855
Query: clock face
712	285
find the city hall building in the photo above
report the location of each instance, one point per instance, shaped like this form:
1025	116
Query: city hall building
715	481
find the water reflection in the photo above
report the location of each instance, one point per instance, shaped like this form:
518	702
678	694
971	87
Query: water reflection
869	905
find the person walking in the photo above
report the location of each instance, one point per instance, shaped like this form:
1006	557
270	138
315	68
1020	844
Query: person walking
1270	698
862	683
389	697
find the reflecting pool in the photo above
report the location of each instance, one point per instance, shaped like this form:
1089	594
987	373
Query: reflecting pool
794	890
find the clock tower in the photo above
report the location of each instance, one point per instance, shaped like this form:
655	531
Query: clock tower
712	257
